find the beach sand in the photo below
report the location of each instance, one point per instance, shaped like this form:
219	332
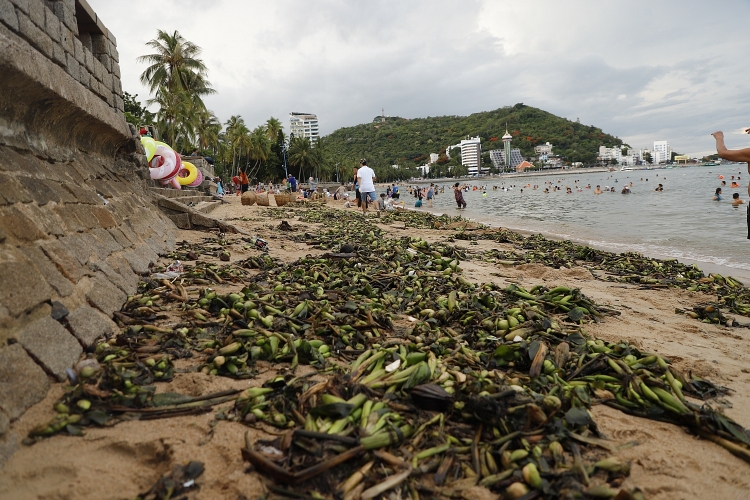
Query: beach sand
667	463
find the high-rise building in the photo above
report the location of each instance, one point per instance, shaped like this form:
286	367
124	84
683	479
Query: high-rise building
662	152
471	154
304	125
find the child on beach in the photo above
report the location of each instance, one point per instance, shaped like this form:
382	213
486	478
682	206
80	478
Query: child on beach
459	196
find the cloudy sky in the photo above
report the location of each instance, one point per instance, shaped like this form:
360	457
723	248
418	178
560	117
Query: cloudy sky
640	70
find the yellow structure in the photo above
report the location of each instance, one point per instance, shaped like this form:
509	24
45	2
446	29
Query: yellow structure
681	158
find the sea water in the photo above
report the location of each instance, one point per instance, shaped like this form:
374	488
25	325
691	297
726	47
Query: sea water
681	222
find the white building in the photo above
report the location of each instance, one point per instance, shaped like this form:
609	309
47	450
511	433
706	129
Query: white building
543	149
434	158
304	125
662	152
471	154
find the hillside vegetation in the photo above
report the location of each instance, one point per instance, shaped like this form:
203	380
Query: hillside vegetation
409	142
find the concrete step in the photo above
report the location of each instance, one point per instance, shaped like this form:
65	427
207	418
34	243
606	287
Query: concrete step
207	206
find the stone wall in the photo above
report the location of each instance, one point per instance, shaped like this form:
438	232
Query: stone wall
68	33
77	223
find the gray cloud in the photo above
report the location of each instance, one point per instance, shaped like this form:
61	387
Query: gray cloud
641	70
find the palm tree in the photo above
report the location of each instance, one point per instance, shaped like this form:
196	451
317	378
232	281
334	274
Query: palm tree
177	78
175	65
237	135
300	153
273	128
208	130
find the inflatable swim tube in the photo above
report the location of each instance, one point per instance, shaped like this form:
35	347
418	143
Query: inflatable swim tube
188	174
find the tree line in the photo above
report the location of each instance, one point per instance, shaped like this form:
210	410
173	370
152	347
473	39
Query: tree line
177	79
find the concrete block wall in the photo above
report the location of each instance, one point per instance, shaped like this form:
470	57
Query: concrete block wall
77	222
69	33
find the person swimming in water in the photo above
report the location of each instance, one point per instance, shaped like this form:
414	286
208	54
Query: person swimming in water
717	195
736	201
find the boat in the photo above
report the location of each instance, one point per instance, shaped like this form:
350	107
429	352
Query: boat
712	164
627	169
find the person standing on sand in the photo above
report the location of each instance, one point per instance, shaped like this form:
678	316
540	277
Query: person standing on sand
366	180
459	196
244	182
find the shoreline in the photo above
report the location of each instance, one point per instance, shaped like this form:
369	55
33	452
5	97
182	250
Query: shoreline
742	275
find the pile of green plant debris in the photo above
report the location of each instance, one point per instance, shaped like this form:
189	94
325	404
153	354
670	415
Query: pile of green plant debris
423	381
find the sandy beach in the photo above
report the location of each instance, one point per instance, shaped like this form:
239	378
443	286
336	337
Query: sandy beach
667	462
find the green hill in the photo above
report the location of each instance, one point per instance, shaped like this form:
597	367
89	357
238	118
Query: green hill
409	142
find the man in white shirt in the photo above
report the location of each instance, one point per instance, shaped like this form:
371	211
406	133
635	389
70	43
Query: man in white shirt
366	180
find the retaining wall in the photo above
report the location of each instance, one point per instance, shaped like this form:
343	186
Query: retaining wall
77	223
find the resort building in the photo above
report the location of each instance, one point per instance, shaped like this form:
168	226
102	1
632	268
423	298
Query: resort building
434	157
543	150
497	156
662	152
304	125
471	154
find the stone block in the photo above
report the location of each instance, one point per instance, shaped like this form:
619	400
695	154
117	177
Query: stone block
4	423
12	190
22	286
86	41
58	56
66	262
46	219
157	245
31	32
120	237
23	383
72	223
19	226
101	187
52	25
114	54
106	62
72	67
104	217
129	234
82	195
67	16
105	296
116	70
182	221
39	190
9	444
67	40
85	78
116	85
99	249
119	103
48	342
119	264
36	12
112	275
99	44
51	273
78	248
201	220
86	216
89	60
78	52
99	70
8	15
139	263
110	244
88	324
21	4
